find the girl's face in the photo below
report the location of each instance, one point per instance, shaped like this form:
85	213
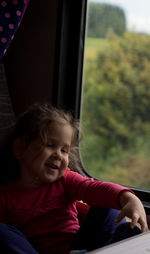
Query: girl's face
48	163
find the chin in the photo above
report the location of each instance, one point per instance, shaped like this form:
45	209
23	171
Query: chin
50	179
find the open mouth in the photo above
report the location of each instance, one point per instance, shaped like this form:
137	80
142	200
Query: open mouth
52	166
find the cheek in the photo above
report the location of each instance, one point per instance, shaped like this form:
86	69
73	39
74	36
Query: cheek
67	161
65	164
62	172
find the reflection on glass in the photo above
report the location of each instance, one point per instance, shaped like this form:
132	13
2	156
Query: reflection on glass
116	94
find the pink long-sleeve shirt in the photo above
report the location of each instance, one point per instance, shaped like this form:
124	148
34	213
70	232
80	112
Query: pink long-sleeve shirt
47	215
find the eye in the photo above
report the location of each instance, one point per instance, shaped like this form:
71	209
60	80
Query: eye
49	145
65	150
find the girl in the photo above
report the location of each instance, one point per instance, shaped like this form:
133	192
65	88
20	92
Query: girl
38	211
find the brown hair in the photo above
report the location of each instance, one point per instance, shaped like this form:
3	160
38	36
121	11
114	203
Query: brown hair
36	120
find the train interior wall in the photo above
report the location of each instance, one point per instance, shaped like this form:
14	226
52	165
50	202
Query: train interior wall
30	59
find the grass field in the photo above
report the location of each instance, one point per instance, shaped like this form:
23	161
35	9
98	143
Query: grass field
92	46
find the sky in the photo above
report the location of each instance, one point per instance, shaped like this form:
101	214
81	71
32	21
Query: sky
137	13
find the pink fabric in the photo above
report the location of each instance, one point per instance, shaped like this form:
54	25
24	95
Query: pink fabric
11	14
47	215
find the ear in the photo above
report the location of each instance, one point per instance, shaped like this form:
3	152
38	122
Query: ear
18	148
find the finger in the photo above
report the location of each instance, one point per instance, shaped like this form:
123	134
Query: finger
134	220
143	224
120	216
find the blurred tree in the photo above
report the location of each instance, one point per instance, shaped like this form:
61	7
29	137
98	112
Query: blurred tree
116	101
102	17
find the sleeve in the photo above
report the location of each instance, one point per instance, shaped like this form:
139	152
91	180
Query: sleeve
93	192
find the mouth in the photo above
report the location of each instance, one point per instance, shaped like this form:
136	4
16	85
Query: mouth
51	166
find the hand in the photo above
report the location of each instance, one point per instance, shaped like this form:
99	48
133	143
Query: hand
132	208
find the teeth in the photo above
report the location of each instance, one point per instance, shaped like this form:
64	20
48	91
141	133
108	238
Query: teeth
51	166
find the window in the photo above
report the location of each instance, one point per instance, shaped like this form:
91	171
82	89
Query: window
116	92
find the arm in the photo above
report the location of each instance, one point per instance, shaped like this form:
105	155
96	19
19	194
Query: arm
92	192
132	207
108	195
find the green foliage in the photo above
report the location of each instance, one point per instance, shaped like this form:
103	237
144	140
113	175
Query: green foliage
116	110
105	17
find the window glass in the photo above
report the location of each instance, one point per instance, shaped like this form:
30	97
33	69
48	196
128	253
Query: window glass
116	92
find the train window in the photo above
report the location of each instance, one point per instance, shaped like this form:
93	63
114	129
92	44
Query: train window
116	92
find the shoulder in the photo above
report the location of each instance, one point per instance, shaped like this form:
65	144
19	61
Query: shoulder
72	178
5	191
71	174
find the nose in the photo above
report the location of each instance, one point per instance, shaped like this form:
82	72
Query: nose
57	154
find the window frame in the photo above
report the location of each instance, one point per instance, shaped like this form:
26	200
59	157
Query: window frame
70	37
69	55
